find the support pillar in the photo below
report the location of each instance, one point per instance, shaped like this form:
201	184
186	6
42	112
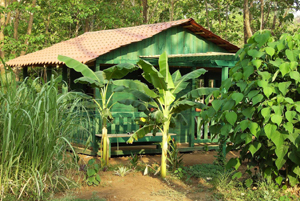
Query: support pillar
25	72
97	117
224	77
49	73
192	118
65	79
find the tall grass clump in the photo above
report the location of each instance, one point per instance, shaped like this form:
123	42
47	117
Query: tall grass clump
36	124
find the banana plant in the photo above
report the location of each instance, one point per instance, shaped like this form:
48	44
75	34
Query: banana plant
163	98
100	80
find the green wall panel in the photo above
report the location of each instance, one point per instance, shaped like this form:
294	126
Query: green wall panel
176	40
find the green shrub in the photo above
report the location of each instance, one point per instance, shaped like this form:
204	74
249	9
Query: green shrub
258	107
35	126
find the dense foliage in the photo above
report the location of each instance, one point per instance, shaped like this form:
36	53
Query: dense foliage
35	123
258	107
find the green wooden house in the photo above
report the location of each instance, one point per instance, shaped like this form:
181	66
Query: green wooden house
188	44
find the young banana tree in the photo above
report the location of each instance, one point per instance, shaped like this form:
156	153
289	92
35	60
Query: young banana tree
100	80
164	98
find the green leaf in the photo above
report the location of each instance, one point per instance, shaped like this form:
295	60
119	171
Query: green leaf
231	117
277	138
276	119
252	94
216	104
248	183
253	127
248	112
276	63
253	148
242	85
270	129
296	170
181	83
257	99
233	162
82	68
257	63
270	51
228	105
283	87
226	129
248	70
294	157
295	75
247	137
237	175
164	69
275	76
196	93
176	76
237	97
182	105
264	75
289	127
262	38
268	91
266	113
152	75
167	98
294	136
141	133
291	54
91	172
255	54
98	178
136	85
119	71
284	68
141	106
244	124
293	179
280	152
278	180
290	115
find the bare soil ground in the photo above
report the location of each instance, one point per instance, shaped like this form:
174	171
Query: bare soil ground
135	186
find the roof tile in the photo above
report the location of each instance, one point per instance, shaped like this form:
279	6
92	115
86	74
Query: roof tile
91	45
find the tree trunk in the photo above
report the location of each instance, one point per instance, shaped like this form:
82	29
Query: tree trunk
86	25
16	25
247	27
105	142
30	23
274	18
145	11
2	24
47	27
207	15
261	14
164	151
268	14
172	10
77	28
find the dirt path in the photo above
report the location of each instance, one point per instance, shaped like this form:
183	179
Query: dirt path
135	186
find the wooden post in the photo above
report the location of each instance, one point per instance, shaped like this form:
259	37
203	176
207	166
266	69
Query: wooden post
192	124
97	118
25	72
49	73
224	77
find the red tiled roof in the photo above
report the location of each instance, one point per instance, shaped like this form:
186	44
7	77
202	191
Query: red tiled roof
88	46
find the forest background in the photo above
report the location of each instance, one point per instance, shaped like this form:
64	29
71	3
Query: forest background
31	25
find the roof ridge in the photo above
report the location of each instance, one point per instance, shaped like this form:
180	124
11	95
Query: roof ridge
142	25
